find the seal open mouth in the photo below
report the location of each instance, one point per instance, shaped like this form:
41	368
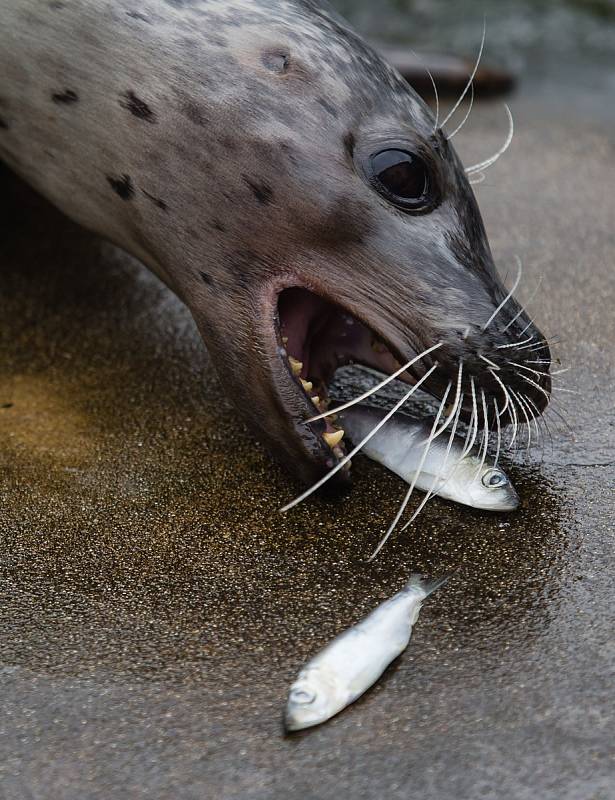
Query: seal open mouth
315	338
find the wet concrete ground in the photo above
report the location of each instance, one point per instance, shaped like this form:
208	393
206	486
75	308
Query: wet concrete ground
155	606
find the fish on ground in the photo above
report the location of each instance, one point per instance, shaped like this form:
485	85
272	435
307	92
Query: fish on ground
454	474
354	660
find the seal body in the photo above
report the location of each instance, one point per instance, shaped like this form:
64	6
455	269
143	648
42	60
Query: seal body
227	144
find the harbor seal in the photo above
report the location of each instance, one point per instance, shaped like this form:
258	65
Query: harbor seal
283	180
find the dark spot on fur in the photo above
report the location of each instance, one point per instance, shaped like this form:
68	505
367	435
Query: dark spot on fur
122	186
215	40
206	278
6	405
56	5
137	107
155	200
331	110
194	113
137	15
290	152
179	3
4	126
241	265
67	97
218	226
349	143
344	224
261	190
228	143
276	59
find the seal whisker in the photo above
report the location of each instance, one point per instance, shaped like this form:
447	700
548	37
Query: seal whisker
508	296
465	119
499	432
433	83
514	344
509	404
472	76
527	419
515	421
480	179
483	165
523	399
542	419
535	385
521	310
487	361
538	420
529	324
468	434
541	374
528	369
560	416
448	419
473	428
433	491
486	431
376	388
361	444
542	343
504	389
406	499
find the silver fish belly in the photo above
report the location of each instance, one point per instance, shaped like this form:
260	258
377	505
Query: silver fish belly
355	659
448	471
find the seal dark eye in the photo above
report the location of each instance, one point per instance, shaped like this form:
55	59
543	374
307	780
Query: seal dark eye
401	177
494	479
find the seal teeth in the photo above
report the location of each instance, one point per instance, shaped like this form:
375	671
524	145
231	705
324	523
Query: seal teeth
333	439
307	385
316	400
296	366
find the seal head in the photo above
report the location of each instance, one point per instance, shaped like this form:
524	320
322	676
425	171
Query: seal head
288	184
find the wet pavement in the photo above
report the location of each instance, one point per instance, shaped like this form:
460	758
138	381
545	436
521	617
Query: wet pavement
156	606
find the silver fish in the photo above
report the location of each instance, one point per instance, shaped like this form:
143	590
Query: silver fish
355	659
400	446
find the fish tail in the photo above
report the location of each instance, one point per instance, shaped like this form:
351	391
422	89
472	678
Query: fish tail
417	581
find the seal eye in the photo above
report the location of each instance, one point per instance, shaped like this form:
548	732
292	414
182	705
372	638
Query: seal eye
494	479
401	177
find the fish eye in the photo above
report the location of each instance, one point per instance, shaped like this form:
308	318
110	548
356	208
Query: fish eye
302	697
494	479
402	178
